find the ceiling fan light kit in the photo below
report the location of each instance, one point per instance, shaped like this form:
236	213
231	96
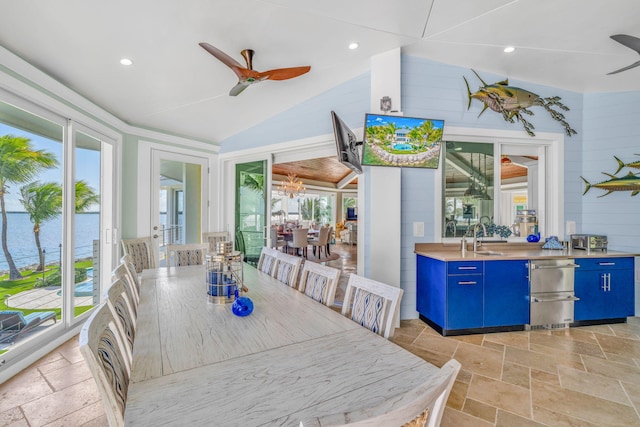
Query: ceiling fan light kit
247	75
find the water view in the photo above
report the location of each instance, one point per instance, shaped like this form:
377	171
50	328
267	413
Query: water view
22	246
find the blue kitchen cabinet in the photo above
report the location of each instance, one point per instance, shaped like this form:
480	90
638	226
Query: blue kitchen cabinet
506	293
464	301
449	294
605	287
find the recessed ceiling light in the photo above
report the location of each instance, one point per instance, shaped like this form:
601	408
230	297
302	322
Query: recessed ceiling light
126	61
509	49
353	45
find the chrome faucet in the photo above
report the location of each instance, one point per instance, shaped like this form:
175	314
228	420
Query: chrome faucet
475	235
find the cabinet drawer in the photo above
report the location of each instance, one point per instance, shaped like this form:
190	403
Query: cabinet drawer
464	301
465	267
603	264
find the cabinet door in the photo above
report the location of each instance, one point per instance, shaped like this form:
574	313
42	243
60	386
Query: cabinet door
506	293
464	301
431	289
605	287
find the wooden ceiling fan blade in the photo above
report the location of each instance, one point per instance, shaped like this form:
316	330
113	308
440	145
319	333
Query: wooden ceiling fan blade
634	65
237	89
629	41
284	73
224	58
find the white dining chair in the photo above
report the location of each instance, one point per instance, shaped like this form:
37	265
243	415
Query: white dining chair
319	282
187	254
141	252
213	237
103	347
267	260
122	272
287	268
421	407
372	304
118	300
300	240
128	263
321	242
276	241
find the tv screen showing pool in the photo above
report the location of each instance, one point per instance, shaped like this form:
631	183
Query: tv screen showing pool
402	141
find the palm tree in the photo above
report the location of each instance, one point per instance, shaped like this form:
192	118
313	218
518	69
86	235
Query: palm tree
42	202
19	163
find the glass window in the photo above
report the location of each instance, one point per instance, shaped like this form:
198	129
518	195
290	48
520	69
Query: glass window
493	184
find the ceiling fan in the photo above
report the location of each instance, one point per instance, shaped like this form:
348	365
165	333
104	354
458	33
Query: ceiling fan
632	43
247	75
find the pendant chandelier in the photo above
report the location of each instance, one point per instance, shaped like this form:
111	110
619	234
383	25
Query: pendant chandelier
292	187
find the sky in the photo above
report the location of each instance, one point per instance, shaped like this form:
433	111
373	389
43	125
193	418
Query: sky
87	166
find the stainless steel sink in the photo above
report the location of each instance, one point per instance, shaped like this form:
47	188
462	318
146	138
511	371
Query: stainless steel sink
490	253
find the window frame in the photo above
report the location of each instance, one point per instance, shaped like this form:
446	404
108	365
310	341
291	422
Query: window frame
552	209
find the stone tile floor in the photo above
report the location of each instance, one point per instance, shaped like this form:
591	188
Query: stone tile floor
588	376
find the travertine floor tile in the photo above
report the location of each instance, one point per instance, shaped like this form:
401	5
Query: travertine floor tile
556	419
480	410
62	403
567	345
620	346
457	396
505	396
479	360
512	339
13	417
442	344
532	359
577	334
507	419
582	406
620	359
470	339
545	377
494	345
613	370
516	374
14	393
595	385
68	375
92	414
453	418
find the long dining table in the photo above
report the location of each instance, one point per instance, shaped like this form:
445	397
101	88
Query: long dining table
292	359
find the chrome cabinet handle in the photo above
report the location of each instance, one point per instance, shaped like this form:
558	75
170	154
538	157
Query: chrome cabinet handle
469	282
569	298
606	263
467	268
543	267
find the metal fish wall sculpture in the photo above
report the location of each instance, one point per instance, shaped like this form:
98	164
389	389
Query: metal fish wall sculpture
514	102
630	182
621	164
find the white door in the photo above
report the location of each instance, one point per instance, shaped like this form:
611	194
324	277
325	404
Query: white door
179	189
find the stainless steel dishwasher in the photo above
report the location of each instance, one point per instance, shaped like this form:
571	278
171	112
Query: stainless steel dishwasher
552	293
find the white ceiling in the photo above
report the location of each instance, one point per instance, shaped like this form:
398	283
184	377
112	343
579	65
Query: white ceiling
177	87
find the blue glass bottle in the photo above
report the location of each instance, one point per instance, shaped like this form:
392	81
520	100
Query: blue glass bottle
242	306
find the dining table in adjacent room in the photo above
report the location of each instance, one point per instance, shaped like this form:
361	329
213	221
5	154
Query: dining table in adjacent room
291	359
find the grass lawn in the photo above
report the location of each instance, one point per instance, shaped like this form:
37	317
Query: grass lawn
13	287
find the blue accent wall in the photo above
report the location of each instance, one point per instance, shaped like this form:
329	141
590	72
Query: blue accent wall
607	125
349	100
611	128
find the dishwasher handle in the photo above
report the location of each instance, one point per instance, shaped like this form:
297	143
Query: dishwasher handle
560	299
541	267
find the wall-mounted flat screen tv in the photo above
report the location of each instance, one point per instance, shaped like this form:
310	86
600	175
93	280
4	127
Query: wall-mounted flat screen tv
402	141
346	144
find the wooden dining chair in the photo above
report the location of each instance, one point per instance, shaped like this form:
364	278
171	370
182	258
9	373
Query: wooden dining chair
267	260
123	311
187	254
141	252
319	282
372	304
287	268
213	237
103	347
121	272
422	406
321	242
300	240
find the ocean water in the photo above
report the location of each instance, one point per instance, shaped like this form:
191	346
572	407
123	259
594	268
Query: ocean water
22	244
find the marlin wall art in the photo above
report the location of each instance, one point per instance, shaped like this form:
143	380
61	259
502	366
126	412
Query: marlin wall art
629	182
514	102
